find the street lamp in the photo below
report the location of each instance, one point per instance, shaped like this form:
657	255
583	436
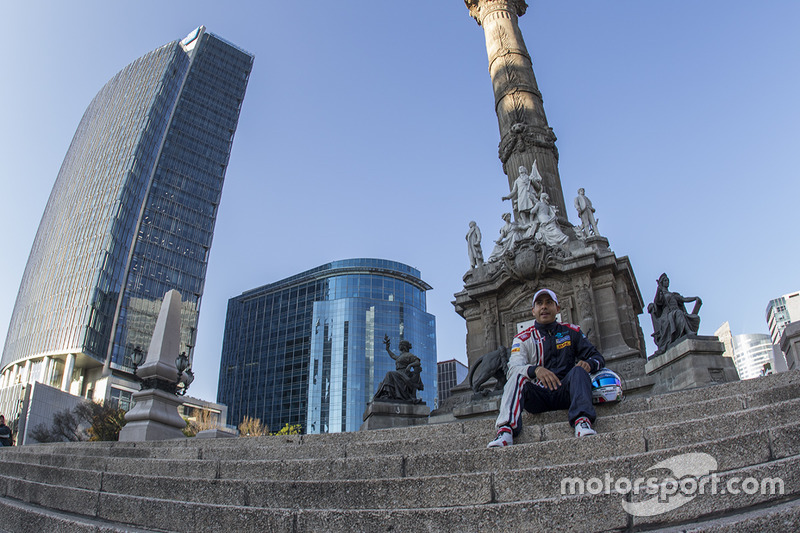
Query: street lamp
137	358
185	374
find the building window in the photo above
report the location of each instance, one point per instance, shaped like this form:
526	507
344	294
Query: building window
120	399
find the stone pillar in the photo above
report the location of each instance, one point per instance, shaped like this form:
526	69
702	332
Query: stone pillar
525	136
26	372
155	413
69	366
44	374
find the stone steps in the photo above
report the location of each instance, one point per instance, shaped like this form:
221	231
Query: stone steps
620	434
601	512
421	490
438	477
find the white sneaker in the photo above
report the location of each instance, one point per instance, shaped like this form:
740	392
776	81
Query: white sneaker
504	438
583	428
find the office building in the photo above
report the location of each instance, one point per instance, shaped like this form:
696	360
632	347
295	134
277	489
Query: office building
753	354
780	312
450	373
309	349
130	217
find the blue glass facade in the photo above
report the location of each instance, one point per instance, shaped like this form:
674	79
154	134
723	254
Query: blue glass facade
132	211
309	349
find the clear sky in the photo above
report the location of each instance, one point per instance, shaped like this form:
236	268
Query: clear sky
368	130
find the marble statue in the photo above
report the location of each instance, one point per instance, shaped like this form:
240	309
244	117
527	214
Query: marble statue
586	214
523	195
403	383
544	225
474	245
536	180
671	322
510	233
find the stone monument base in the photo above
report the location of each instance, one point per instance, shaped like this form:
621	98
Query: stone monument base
153	417
381	414
696	361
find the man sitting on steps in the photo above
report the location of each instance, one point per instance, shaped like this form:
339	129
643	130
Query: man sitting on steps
548	370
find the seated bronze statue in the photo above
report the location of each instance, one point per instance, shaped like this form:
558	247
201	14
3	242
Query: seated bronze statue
403	383
671	322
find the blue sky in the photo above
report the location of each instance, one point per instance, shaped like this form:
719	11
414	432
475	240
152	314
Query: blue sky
368	130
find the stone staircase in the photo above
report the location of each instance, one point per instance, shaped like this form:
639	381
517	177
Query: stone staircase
439	477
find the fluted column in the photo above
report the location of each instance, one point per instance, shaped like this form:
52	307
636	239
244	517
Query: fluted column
69	366
524	133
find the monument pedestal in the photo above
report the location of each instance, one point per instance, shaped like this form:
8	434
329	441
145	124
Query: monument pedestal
387	414
154	417
595	289
696	361
155	412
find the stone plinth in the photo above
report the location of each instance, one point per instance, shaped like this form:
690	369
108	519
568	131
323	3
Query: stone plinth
155	413
596	290
154	417
696	361
790	345
385	414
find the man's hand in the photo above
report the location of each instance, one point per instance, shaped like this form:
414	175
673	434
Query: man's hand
584	365
547	378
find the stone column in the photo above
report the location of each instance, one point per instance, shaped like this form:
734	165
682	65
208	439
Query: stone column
69	366
155	416
26	372
45	370
524	133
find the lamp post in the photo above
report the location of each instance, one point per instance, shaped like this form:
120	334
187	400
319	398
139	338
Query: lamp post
137	358
185	374
163	379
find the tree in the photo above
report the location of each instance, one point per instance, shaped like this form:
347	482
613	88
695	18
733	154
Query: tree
203	420
86	421
289	430
105	421
252	427
63	429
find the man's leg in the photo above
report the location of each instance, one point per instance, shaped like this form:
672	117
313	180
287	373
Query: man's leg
575	394
509	418
511	403
579	388
520	393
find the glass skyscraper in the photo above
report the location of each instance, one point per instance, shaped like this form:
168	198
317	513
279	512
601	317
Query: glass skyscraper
309	349
752	351
130	217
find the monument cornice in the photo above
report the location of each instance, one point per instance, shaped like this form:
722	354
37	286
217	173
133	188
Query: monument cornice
479	9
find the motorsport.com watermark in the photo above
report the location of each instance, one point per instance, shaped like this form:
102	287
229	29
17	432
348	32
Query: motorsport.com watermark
692	475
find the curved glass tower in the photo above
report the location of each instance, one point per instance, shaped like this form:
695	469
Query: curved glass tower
131	215
309	349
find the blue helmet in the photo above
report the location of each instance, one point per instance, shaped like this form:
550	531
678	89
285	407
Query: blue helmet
606	386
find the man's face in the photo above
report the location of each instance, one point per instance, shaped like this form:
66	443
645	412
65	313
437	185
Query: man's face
545	309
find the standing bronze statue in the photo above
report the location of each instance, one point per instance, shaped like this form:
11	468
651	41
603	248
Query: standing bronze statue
671	322
403	383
